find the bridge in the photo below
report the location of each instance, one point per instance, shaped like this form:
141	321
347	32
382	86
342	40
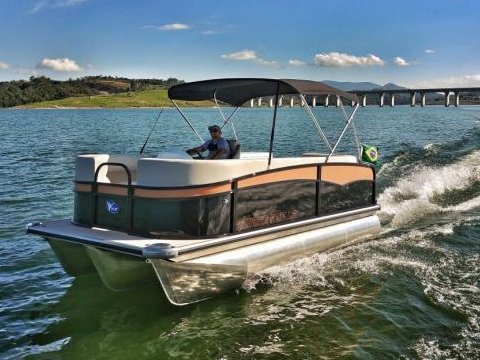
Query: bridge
382	95
413	95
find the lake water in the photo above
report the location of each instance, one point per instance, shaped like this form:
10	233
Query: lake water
412	292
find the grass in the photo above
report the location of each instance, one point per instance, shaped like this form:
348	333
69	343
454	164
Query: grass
147	98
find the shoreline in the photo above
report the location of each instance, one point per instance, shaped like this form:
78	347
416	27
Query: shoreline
22	107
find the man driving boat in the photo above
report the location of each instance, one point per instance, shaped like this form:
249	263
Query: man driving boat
217	146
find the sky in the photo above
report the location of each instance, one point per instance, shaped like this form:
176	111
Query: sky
412	43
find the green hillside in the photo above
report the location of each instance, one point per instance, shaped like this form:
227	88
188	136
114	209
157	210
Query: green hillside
147	98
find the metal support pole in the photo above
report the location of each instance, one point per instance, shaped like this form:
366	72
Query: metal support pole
343	132
188	121
317	125
272	134
230	119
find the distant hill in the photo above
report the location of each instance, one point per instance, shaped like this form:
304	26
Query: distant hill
391	86
349	86
41	88
361	86
131	99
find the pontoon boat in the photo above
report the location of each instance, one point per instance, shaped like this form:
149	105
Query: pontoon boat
201	226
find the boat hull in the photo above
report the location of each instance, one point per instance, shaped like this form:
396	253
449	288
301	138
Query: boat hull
204	274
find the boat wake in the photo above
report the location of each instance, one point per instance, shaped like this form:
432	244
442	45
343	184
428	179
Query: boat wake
427	190
366	274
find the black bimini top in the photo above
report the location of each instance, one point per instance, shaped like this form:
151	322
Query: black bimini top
238	91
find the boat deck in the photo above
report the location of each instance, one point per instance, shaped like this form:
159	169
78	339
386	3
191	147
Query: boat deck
183	249
100	237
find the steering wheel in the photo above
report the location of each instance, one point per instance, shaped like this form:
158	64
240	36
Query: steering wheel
198	157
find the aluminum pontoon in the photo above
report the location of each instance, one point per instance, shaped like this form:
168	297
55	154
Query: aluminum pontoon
201	226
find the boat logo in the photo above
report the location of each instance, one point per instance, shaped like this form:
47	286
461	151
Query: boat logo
112	206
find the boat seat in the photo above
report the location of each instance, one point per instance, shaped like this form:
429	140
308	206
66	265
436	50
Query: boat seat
86	165
234	146
157	172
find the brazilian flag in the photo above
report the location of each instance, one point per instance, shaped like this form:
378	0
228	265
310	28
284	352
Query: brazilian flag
369	153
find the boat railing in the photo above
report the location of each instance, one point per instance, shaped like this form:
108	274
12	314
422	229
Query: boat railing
111	206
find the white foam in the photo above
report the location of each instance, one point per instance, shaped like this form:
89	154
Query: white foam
413	197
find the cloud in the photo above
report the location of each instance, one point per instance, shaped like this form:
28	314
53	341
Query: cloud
4	66
336	59
168	27
209	32
296	62
64	64
472	80
45	4
241	55
174	27
248	55
401	62
430	51
266	62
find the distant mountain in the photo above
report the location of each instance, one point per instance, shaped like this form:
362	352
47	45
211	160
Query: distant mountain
391	86
349	86
362	86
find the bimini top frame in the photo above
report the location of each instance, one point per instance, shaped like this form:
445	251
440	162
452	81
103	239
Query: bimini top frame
237	91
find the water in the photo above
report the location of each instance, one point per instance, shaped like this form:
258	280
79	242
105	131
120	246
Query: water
412	292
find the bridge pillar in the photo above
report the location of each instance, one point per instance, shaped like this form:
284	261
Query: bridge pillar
447	98
302	102
251	102
327	97
352	103
382	99
280	100
291	101
457	98
364	100
392	100
338	101
270	102
412	98
423	96
314	101
259	101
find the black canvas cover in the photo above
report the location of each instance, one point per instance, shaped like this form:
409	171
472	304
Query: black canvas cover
237	91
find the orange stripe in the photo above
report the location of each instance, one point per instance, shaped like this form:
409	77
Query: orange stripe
345	174
83	187
308	173
182	193
112	190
